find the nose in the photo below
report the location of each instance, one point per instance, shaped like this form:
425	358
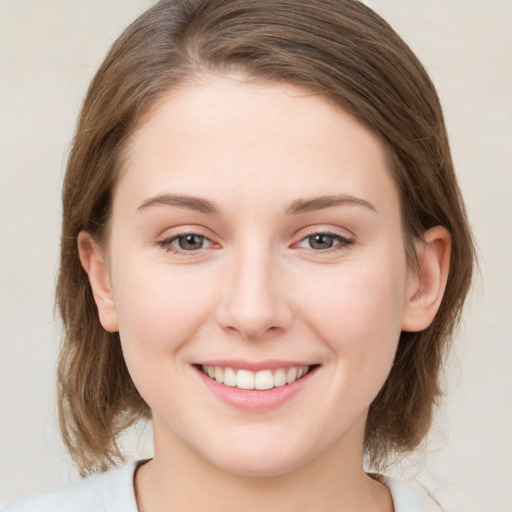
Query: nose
254	301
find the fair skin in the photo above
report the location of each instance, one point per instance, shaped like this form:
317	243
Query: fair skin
257	228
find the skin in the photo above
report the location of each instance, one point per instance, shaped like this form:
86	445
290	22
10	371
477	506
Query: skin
259	289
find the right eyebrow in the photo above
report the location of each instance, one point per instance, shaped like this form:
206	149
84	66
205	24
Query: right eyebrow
190	202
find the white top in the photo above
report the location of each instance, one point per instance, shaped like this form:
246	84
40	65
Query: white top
113	492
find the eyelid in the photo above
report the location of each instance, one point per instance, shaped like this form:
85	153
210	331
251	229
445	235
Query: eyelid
345	240
187	229
325	230
169	236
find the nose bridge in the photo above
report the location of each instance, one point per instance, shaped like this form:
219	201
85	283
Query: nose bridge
254	299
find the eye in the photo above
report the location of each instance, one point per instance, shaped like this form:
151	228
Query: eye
324	242
190	242
185	243
321	241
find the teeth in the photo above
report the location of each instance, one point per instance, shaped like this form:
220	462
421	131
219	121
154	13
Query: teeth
244	379
219	375
279	378
262	380
291	375
229	377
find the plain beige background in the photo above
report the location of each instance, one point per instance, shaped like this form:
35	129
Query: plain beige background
49	50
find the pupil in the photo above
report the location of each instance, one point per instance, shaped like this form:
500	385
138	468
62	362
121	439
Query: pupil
321	241
190	242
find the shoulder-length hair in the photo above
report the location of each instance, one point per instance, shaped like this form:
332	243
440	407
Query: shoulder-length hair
339	49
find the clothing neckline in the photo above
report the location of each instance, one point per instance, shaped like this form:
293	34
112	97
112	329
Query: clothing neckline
114	491
404	499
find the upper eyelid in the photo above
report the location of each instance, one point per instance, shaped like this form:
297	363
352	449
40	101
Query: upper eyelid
176	231
168	237
327	233
171	238
327	230
168	244
344	237
343	241
299	236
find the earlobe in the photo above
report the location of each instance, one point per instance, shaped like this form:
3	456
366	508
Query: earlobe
93	261
427	285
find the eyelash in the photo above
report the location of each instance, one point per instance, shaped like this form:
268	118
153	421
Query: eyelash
167	244
343	243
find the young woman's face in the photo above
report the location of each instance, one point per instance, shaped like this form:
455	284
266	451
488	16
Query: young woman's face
256	233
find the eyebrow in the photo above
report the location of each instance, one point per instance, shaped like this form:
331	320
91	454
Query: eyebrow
296	207
303	205
190	202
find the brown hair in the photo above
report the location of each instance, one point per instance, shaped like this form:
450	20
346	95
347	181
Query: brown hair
337	48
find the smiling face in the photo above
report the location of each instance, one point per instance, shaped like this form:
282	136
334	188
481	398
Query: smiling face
255	237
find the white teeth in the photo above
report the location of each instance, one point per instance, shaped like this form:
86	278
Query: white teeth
244	379
291	375
219	375
229	377
302	371
262	380
279	378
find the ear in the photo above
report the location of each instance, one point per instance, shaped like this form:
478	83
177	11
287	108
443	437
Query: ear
428	282
93	261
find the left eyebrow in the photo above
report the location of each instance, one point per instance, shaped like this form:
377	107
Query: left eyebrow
303	205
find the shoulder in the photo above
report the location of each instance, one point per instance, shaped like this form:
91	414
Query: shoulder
404	499
109	492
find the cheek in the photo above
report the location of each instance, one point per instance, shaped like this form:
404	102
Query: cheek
159	312
159	308
358	312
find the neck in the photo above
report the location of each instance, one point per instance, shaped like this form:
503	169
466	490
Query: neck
178	479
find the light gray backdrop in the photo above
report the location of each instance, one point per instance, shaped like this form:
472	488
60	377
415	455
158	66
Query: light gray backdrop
49	50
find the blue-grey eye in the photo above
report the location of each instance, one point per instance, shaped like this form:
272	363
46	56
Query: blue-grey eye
190	242
321	241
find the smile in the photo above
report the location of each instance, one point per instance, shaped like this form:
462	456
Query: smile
261	380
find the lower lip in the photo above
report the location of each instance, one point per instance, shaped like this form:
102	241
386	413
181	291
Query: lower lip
255	400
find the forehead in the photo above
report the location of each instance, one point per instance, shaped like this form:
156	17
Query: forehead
225	138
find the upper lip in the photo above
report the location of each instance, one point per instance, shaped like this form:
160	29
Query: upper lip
253	366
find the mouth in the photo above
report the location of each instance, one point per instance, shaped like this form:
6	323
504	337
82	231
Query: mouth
261	380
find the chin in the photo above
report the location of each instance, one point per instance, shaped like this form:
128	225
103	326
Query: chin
248	466
257	460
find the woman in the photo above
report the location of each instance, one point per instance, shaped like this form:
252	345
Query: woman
265	250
